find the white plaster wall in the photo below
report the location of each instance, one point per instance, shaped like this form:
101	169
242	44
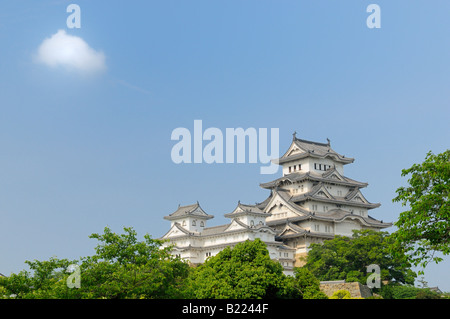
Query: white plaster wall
304	164
186	223
307	185
247	219
345	228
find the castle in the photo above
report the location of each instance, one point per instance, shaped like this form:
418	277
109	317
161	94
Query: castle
313	201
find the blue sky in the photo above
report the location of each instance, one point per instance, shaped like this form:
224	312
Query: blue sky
83	151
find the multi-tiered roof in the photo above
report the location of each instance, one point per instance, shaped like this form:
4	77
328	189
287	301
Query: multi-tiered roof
311	202
349	203
312	149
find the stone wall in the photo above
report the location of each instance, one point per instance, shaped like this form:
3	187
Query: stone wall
356	289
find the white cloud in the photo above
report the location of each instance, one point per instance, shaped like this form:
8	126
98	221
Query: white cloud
69	51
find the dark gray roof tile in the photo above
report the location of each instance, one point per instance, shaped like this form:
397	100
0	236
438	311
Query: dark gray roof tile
189	210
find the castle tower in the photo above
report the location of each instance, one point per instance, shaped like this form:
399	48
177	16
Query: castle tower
191	218
314	200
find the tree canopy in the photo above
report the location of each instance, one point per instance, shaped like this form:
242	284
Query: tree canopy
347	258
424	229
122	267
246	271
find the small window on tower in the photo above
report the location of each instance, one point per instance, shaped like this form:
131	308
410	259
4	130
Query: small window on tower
290	169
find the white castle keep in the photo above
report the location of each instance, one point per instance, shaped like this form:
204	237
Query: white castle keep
313	201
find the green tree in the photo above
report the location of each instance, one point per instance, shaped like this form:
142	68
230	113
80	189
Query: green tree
307	285
410	292
39	282
347	258
424	229
122	267
427	293
404	292
243	272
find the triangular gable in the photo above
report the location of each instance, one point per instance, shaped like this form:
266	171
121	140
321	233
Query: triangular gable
242	209
199	212
321	191
323	194
293	150
175	231
355	195
337	176
237	210
275	205
334	174
289	229
235	225
358	197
